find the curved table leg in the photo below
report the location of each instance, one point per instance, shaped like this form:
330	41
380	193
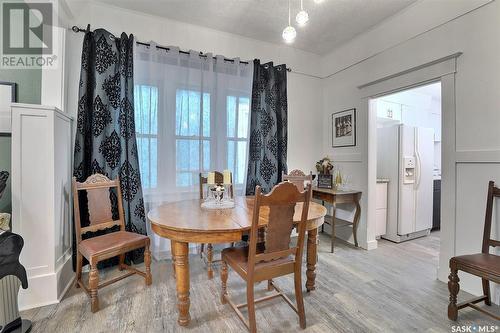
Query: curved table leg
312	258
356	221
334	211
181	260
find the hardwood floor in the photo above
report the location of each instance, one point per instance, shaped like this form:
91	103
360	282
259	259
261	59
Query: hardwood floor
390	289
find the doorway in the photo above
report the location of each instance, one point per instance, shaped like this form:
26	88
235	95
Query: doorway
444	70
408	165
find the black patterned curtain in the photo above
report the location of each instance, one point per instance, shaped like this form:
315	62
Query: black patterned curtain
105	138
268	127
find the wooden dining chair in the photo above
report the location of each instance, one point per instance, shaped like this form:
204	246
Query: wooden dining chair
112	244
298	178
484	265
219	179
270	256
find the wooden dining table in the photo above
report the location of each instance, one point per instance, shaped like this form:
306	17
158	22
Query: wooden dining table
185	222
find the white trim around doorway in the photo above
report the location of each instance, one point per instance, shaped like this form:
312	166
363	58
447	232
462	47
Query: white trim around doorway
443	70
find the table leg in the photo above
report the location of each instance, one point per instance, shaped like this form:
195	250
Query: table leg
334	205
210	258
312	258
173	257
356	221
323	225
181	255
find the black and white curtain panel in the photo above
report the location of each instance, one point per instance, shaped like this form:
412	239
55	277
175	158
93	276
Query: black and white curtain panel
105	139
268	127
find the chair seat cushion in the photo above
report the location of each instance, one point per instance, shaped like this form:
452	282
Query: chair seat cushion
238	257
483	262
111	243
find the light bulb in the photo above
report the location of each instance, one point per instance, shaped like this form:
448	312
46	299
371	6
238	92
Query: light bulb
289	34
302	17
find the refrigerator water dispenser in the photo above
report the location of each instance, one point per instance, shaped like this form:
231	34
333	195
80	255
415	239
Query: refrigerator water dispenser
409	170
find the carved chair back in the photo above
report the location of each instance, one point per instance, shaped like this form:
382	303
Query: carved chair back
493	192
279	207
97	188
297	178
219	179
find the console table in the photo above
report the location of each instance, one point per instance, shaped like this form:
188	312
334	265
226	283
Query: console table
335	197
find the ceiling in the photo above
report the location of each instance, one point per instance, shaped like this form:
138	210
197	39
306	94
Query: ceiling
331	22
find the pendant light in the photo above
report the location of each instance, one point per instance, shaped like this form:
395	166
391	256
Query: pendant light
302	17
289	32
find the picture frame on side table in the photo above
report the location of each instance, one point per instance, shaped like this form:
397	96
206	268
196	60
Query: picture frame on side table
325	181
7	97
344	128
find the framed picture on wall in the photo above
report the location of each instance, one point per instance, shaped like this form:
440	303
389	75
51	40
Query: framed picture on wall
7	96
344	128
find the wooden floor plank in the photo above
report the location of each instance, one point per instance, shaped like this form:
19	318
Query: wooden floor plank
390	289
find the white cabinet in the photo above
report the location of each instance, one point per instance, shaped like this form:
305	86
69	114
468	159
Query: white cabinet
41	200
389	110
381	208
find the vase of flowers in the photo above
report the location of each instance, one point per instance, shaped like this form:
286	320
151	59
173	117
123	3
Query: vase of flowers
324	166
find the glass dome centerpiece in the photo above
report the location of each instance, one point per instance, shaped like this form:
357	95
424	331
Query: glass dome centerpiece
218	197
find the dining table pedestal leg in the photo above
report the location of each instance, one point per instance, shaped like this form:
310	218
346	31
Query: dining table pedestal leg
312	258
181	260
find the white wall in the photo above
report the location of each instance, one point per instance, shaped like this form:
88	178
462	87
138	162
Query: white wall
304	92
404	42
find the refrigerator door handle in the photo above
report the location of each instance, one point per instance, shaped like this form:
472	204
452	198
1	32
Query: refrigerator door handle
418	160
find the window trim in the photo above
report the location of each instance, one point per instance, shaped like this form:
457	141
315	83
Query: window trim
200	137
238	95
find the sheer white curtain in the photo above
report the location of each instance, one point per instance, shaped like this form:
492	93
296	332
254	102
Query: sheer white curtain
192	115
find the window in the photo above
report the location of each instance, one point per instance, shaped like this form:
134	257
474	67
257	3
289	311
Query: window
195	141
146	128
238	111
192	136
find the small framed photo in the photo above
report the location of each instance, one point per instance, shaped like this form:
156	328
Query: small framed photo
344	128
325	181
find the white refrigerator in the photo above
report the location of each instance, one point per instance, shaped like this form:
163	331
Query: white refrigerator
405	156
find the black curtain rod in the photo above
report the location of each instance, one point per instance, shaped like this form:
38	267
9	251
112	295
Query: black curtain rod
77	29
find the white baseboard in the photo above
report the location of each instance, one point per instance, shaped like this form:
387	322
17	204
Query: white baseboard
372	245
47	289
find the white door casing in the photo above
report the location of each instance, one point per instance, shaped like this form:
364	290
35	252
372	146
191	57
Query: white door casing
443	69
